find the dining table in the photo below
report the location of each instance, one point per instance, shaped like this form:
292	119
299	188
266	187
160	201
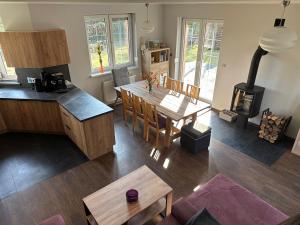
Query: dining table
173	105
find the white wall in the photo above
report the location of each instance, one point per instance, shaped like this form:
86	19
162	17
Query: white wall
15	16
243	24
70	18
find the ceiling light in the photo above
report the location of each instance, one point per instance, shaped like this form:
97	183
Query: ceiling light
147	27
279	38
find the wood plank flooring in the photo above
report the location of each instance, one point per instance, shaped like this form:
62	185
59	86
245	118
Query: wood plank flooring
279	185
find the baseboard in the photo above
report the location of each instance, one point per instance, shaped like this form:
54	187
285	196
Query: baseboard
215	110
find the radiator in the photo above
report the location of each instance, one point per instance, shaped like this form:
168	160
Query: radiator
109	93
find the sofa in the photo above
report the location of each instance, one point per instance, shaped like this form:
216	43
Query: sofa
228	202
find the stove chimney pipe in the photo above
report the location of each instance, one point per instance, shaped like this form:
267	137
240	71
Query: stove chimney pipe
254	67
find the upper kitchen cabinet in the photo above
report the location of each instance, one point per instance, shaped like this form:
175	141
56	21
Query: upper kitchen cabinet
35	49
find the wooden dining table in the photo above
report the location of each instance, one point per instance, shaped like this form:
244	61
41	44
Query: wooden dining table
175	106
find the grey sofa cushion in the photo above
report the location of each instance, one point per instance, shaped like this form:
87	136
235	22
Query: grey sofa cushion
120	76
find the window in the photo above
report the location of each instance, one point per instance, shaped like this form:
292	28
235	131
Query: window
110	41
6	73
199	52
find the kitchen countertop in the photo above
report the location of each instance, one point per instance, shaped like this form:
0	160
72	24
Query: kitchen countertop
79	103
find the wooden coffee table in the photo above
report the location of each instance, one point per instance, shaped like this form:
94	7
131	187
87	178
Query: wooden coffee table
108	206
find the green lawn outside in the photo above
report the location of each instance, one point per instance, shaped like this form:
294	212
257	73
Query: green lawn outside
191	55
121	55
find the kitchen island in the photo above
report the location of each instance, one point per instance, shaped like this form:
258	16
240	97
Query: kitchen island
85	119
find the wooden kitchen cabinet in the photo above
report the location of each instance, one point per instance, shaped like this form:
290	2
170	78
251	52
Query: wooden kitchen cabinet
74	129
31	116
94	137
3	127
11	114
35	49
100	135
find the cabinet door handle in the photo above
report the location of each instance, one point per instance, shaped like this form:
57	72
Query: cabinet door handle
67	127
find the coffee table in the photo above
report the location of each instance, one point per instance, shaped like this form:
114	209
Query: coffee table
108	206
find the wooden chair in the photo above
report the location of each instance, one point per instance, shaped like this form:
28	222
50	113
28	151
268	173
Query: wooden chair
153	119
127	104
138	112
192	91
174	85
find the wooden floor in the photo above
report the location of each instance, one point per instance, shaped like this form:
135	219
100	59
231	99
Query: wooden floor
278	185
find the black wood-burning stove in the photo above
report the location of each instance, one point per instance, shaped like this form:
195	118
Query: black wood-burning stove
246	102
247	97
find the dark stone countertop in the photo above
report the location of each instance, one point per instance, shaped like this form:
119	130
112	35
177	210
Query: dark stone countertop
79	103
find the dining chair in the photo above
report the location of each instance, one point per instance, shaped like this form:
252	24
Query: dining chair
192	91
121	76
138	112
174	85
127	104
153	119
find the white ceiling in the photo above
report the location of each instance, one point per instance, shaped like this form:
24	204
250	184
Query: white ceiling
157	1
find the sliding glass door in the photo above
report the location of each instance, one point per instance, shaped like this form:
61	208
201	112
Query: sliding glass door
191	35
200	41
210	58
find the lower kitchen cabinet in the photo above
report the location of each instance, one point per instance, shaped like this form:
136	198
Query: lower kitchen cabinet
3	127
94	137
31	116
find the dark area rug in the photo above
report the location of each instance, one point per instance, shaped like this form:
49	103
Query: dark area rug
26	159
247	141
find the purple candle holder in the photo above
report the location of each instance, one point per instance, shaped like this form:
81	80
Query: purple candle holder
132	195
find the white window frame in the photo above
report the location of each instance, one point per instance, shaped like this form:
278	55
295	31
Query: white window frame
2	66
130	38
110	46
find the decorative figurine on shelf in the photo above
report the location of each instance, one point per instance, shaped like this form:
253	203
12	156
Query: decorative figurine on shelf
151	79
99	51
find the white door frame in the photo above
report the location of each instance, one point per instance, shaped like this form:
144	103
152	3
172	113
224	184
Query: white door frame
202	23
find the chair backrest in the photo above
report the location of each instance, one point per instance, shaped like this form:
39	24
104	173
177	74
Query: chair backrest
167	82
192	91
174	85
178	86
120	76
150	113
138	104
126	98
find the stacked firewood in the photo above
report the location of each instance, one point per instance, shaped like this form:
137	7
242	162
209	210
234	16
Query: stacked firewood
271	127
